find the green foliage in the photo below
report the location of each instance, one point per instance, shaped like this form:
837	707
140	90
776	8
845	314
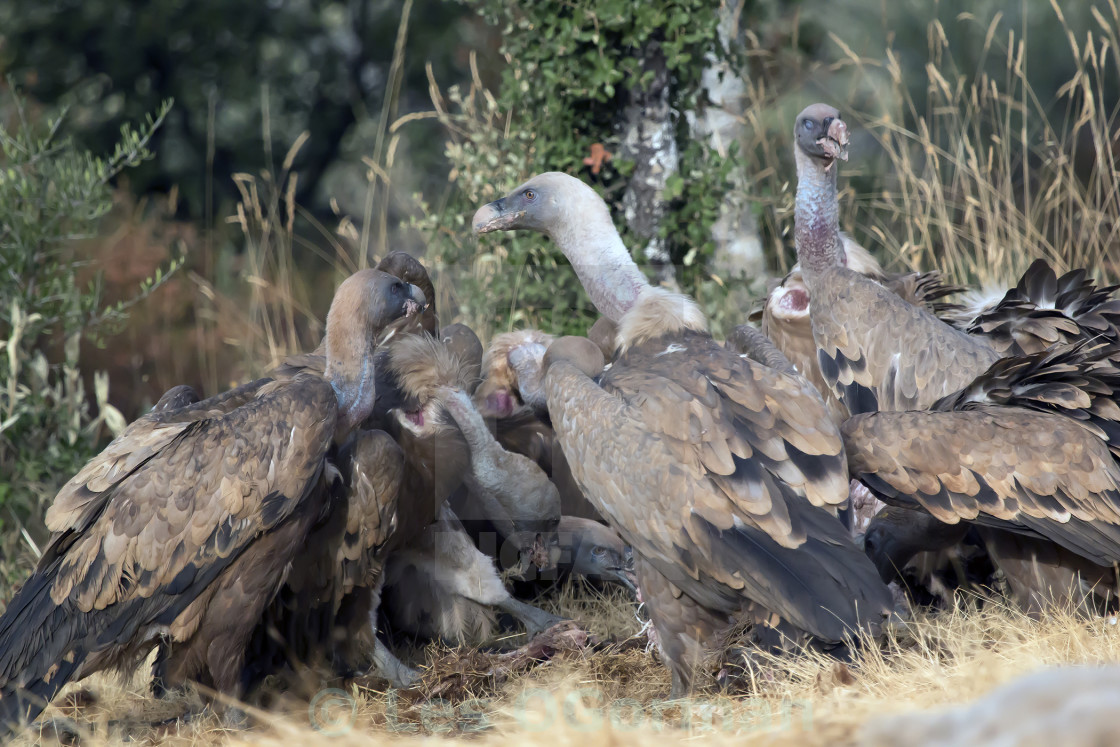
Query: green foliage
51	194
571	67
236	70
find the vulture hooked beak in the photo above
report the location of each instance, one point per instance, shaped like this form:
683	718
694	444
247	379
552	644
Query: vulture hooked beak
495	216
416	301
623	577
835	141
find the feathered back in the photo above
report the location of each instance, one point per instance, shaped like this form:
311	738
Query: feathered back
658	312
421	364
1080	381
1043	310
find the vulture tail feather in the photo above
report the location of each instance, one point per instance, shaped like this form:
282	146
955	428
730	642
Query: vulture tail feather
39	651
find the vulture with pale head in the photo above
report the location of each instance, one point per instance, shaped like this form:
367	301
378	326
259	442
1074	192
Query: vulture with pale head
1025	445
875	350
182	528
511	399
717	470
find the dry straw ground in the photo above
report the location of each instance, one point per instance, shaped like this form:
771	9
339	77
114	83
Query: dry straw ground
616	696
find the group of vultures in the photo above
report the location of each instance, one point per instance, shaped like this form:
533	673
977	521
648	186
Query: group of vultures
872	445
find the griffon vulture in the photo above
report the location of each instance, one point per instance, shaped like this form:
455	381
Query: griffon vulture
717	470
1030	448
875	350
181	529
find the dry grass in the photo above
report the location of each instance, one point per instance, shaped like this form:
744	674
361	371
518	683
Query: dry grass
980	177
617	696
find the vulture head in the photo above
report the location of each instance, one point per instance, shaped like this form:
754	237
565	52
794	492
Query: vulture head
464	344
896	535
363	306
421	367
406	267
578	221
540	204
596	552
509	366
821	134
579	351
177	397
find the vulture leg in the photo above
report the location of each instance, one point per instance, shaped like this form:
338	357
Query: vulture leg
385	663
682	628
1044	576
389	667
533	618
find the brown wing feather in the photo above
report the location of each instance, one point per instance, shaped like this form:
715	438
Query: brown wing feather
375	474
1043	310
219	483
166	530
880	353
1007	467
713	469
142	440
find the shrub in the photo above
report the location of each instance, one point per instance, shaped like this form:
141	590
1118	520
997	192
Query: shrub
51	194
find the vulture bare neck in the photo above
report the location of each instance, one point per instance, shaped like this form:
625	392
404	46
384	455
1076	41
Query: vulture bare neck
876	351
602	262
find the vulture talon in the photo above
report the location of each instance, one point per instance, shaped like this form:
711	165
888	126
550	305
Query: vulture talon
388	667
535	620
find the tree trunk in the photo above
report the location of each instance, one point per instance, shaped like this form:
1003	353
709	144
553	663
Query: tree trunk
648	140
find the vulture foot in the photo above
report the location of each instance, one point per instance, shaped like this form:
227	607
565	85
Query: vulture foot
742	671
387	666
534	619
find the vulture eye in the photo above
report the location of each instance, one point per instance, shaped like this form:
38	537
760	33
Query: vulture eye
530	195
397	288
807	124
598	552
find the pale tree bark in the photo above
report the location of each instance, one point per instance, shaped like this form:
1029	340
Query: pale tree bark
648	139
738	255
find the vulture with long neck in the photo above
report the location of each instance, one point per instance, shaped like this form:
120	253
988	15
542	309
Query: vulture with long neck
440	453
512	399
875	350
1023	445
182	528
716	470
506	488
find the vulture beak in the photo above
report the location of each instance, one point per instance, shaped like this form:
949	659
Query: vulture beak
624	577
835	141
494	216
415	301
